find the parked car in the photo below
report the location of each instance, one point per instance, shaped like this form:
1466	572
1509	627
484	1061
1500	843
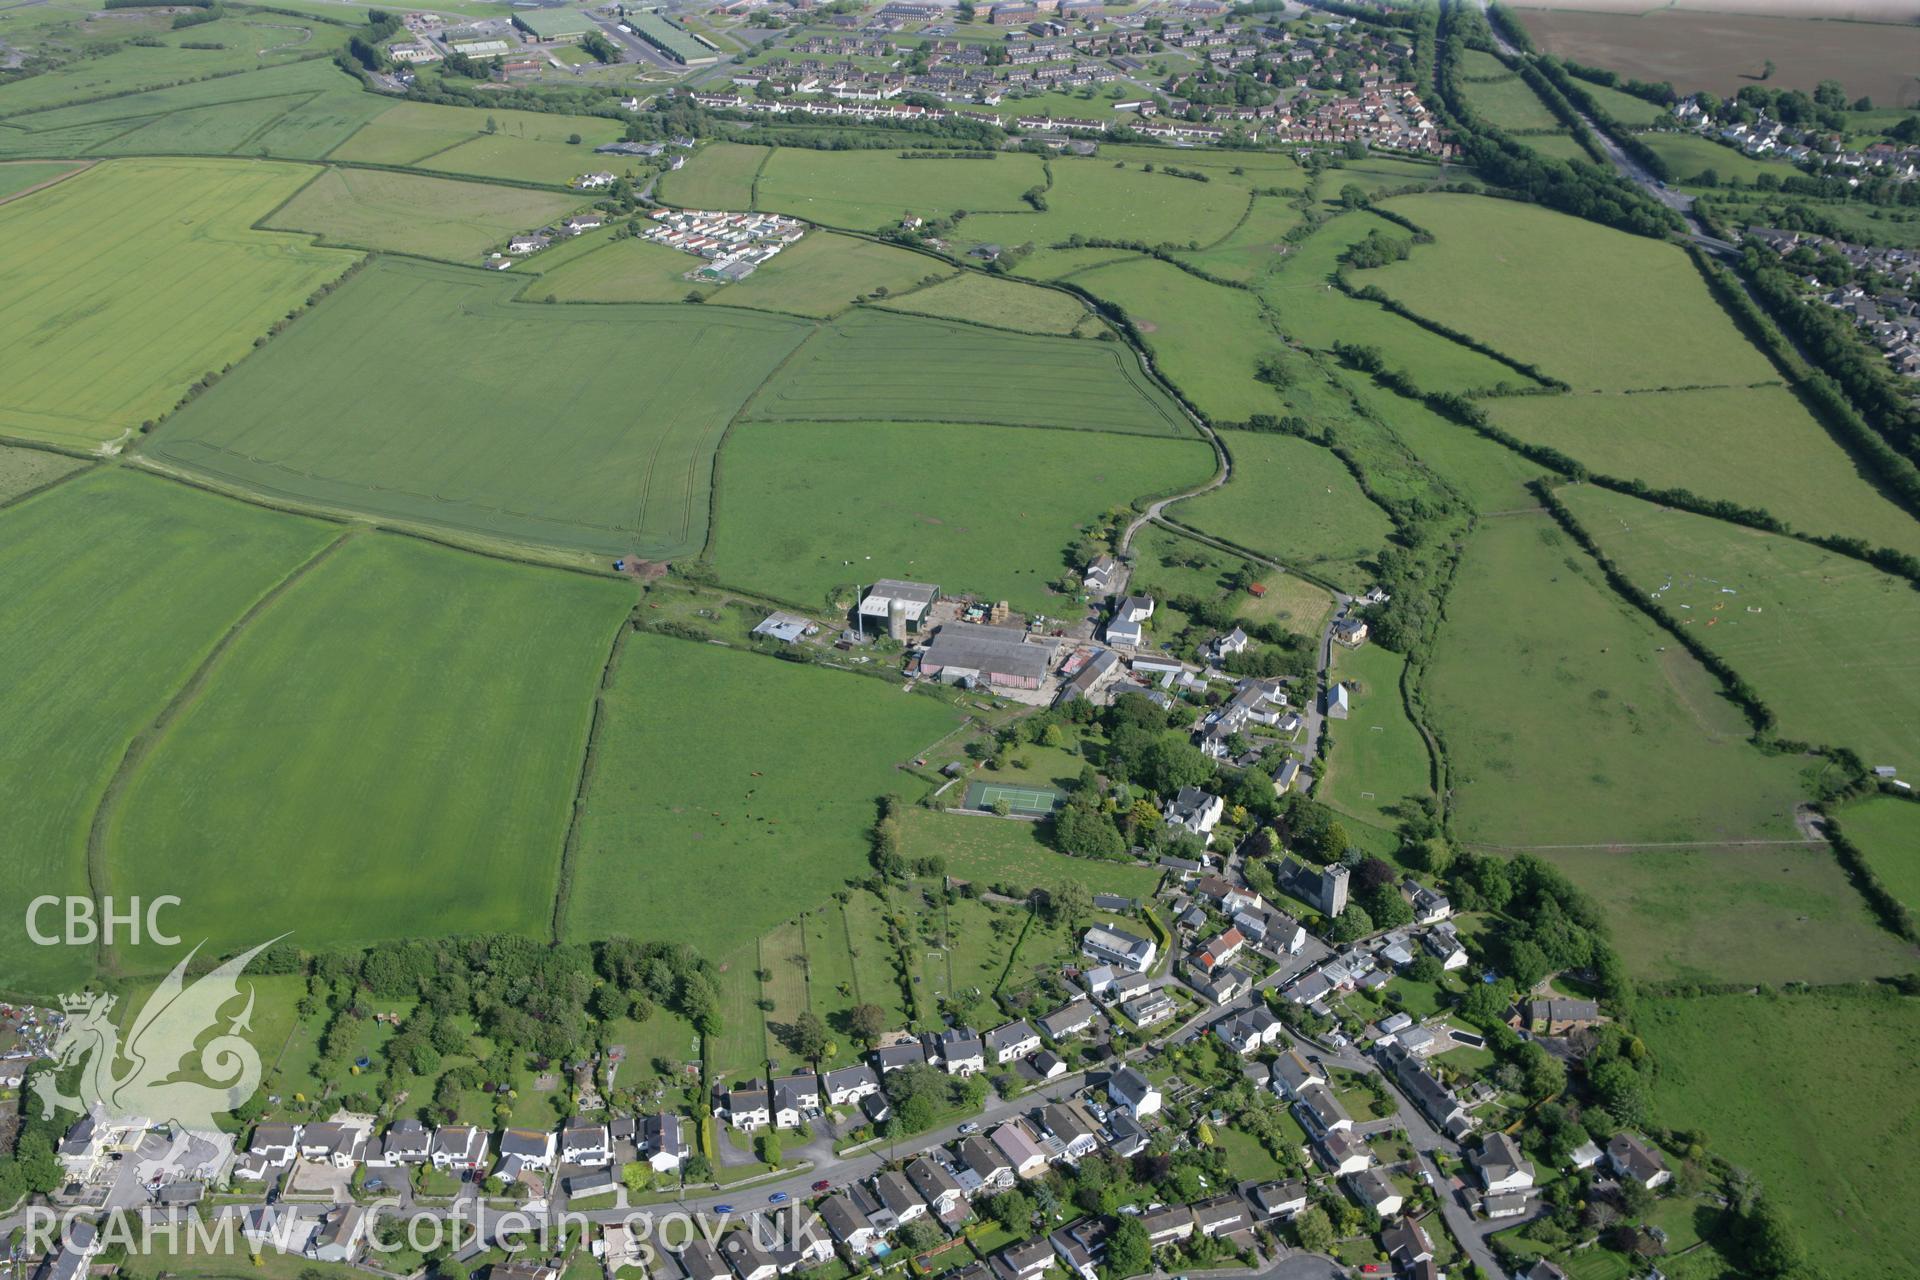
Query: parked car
823	1185
969	1127
723	1208
778	1197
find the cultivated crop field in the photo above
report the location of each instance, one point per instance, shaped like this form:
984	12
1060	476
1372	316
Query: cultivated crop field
729	790
109	318
23	470
26	175
602	443
806	507
1007	304
1379	758
429	709
867	190
1827	641
1887	830
1323	524
1755	446
873	366
1814	1094
1543	683
118	586
412	213
1593	306
717	176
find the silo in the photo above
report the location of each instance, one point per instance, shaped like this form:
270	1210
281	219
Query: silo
897	619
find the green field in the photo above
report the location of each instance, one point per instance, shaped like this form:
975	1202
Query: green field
1758	447
526	146
713	768
1509	104
1488	475
1294	501
717	176
1688	155
1092	196
117	586
1593	306
504	420
868	190
21	175
1254	247
1379	757
1828	642
1815	1095
875	366
411	213
1544	684
992	851
1167	564
110	318
804	508
1886	830
1559	146
425	713
1776	913
1006	304
1627	108
23	470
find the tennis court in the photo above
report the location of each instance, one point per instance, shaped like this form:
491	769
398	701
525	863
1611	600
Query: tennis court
1028	801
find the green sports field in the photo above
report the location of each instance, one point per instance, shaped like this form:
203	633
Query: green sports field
868	190
587	428
878	366
416	214
807	507
1828	642
1886	829
1006	304
118	586
1026	801
1379	758
109	318
730	791
1544	684
402	717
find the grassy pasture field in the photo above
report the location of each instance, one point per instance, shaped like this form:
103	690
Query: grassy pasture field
27	174
1169	564
1593	306
412	213
527	146
1757	446
1095	196
1628	109
1508	103
118	586
625	270
1558	146
109	318
551	450
430	712
1543	683
1689	155
1813	1093
799	500
1006	304
990	851
1490	476
24	470
1379	757
867	190
872	366
1887	830
1296	502
1781	913
1254	247
717	176
1826	640
708	813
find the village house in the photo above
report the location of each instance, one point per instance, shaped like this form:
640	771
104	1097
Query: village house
1501	1166
1118	948
1012	1042
1630	1156
1129	1089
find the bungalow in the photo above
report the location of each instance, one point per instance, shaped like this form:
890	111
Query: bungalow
749	1108
586	1144
748	1260
458	1147
663	1142
940	1189
961	1051
1508	1204
1022	1150
1164	1226
898	1195
1070	1127
701	1261
990	1170
1339	704
850	1084
1585	1156
1631	1157
852	1228
1120	949
1555	1017
1071	1020
1501	1166
339	1238
1221	1215
908	1053
1012	1042
593	181
1279	1199
1028	1259
533	242
1048	1065
1129	1089
1196	811
1373	1189
591	1185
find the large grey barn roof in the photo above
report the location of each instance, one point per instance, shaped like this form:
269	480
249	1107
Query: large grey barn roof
1000	650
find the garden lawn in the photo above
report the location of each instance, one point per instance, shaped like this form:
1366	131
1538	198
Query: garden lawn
110	318
735	788
1543	683
1593	306
805	508
990	851
1168	564
1379	757
869	190
1006	304
717	176
875	366
417	716
1294	501
1886	830
412	213
1816	1095
117	587
1826	641
602	444
1756	447
1777	914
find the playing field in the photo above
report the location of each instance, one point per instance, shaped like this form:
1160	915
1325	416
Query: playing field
1815	1094
877	366
1007	304
868	190
1593	306
110	318
1544	684
805	508
1169	564
412	213
993	851
730	790
1828	642
418	718
1886	830
117	585
589	428
1028	801
717	176
1294	501
1758	447
1379	757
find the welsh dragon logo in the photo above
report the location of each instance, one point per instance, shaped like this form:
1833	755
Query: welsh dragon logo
178	1065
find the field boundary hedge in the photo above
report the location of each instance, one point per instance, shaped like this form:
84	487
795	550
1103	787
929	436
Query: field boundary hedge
1893	913
583	782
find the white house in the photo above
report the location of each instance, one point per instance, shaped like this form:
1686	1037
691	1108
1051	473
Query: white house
586	1144
1012	1042
1130	1089
1196	811
1501	1166
1118	948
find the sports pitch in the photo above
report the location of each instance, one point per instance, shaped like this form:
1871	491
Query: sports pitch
1029	802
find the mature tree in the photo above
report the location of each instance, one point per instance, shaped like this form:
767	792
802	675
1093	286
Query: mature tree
810	1037
867	1022
1314	1230
1069	903
1129	1251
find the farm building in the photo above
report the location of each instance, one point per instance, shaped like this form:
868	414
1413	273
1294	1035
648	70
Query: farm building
554	26
964	653
671	39
789	627
913	598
